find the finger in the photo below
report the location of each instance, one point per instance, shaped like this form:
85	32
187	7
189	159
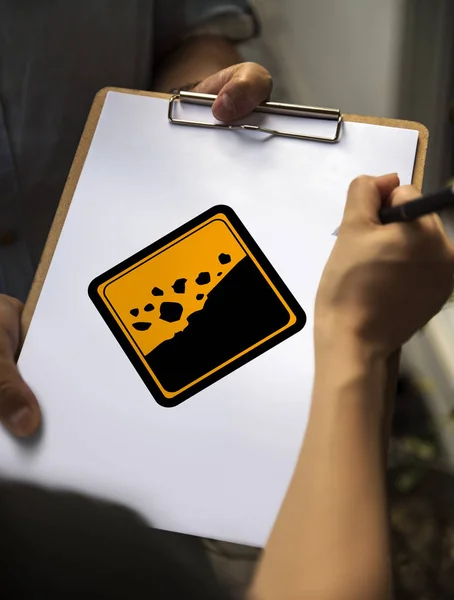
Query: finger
366	196
19	410
402	194
407	193
387	184
240	89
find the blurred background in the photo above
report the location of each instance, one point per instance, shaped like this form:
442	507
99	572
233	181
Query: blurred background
389	58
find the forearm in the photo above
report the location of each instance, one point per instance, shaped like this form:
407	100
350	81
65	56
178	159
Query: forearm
195	60
330	540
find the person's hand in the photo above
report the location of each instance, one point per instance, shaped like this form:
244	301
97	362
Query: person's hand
382	282
19	410
240	89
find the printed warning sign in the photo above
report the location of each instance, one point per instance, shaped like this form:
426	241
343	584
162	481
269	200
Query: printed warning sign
196	305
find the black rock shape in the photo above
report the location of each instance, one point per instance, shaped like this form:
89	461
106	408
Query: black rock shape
203	278
230	323
141	326
200	296
220	273
179	287
157	291
224	259
149	308
134	312
171	312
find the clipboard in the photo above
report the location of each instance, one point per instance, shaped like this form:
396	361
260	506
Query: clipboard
243	432
90	128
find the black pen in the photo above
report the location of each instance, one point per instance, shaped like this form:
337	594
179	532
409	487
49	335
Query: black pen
418	208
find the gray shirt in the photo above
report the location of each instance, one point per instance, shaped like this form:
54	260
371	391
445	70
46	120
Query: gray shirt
54	56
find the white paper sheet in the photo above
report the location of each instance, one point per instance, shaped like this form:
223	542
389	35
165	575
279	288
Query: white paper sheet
219	464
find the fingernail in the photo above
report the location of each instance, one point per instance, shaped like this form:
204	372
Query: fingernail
226	108
20	420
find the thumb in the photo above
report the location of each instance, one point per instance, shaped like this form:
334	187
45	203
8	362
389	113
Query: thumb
403	194
19	410
240	89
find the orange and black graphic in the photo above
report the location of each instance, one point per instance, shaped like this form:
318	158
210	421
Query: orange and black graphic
196	305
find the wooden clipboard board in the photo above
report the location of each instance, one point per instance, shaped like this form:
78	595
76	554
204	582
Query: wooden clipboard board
81	154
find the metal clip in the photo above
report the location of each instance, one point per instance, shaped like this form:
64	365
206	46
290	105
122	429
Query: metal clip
277	108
